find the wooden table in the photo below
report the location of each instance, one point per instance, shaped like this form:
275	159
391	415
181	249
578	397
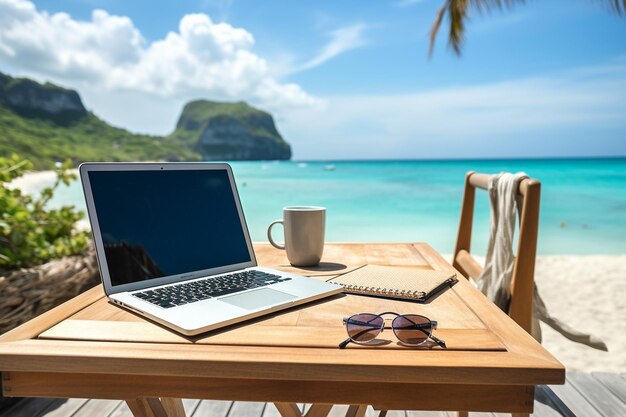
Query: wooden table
89	348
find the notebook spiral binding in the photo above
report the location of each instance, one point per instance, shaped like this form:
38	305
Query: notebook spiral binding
384	291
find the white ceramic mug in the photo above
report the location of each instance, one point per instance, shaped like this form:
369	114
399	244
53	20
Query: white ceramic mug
304	228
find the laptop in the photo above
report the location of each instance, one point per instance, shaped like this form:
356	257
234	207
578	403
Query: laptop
172	245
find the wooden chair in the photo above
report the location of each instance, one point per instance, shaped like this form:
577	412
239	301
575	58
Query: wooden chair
522	283
523	280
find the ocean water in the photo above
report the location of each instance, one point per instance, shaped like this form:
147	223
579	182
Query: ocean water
583	201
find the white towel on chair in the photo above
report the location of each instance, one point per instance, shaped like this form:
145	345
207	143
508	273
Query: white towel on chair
495	281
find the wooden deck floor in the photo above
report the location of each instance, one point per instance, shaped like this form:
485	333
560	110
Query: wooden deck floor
584	395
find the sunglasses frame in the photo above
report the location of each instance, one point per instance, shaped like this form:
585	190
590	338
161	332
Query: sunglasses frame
429	335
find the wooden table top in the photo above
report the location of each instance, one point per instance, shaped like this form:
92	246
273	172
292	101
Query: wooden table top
485	347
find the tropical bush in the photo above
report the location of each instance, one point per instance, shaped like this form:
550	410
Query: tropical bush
30	232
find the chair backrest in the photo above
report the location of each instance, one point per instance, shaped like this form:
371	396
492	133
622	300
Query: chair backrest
522	283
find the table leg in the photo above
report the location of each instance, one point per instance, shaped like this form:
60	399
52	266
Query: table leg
155	407
356	410
462	414
173	407
288	409
319	410
139	407
292	410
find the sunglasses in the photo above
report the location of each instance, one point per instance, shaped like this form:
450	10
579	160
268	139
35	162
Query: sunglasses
410	329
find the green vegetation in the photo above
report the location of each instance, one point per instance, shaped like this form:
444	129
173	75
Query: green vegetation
30	233
44	142
197	115
46	123
201	110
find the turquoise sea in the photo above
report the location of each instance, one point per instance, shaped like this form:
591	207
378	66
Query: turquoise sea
583	202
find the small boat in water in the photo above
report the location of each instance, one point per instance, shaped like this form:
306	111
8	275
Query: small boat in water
329	168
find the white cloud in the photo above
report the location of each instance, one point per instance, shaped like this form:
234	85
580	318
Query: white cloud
578	112
342	40
201	59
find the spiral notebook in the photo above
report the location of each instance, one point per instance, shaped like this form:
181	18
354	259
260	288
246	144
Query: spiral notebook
418	285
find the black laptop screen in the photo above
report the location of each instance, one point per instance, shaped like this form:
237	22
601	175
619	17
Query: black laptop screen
171	222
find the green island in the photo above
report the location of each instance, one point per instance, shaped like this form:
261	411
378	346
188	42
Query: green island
46	123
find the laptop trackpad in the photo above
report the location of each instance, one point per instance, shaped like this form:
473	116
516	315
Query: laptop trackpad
253	300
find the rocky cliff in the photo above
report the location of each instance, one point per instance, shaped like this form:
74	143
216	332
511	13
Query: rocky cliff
230	131
31	99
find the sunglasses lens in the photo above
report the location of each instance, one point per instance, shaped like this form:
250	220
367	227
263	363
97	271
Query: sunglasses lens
364	327
412	329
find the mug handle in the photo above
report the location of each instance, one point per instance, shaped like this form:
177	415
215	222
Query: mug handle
269	234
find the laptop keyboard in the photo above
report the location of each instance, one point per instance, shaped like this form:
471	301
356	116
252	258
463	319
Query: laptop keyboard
189	292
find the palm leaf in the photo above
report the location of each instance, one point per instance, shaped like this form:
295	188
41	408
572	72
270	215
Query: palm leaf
457	12
436	25
618	6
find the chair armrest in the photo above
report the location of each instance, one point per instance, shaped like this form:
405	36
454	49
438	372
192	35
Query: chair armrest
469	266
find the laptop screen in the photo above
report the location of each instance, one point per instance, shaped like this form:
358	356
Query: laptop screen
160	223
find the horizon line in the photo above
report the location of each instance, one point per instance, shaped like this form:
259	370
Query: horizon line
494	159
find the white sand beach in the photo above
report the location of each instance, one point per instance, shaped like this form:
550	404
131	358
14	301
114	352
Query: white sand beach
587	292
34	181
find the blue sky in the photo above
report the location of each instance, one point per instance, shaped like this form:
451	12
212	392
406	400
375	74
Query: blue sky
347	79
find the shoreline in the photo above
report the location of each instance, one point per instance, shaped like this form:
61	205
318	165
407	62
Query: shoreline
34	179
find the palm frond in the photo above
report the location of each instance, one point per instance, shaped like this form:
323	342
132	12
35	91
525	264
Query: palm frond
618	6
458	10
435	28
